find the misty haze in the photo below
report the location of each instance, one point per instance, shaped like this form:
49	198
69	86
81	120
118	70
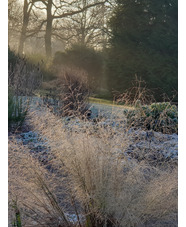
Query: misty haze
93	113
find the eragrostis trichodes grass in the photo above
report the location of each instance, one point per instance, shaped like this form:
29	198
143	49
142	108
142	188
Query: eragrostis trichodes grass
88	183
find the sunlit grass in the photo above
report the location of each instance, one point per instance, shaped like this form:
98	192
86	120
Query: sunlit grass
109	102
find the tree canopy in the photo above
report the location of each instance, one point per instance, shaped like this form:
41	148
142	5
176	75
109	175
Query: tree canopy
144	43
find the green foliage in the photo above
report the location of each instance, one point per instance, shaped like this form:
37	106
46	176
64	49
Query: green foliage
84	58
161	117
158	108
17	109
143	42
17	221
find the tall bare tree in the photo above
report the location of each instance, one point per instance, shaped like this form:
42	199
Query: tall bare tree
85	28
27	7
88	28
29	15
56	10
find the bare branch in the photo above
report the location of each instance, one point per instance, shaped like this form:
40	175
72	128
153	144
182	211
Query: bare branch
38	7
78	11
35	31
61	37
43	1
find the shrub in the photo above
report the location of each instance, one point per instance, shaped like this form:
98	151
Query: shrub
138	94
72	91
75	92
23	77
44	64
12	58
161	117
85	58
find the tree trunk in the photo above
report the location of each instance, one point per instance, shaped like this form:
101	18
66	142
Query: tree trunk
22	39
48	34
26	14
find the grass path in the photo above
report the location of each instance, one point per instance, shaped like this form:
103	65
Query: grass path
106	108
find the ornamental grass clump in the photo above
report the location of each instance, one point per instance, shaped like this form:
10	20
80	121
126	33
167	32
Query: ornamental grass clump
33	189
23	79
17	109
89	175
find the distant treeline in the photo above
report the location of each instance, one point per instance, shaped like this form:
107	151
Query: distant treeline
142	41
